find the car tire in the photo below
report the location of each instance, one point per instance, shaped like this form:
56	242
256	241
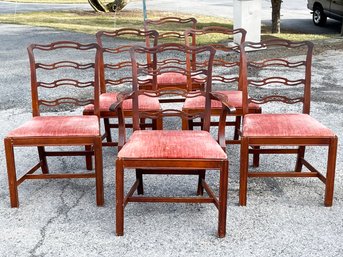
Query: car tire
318	17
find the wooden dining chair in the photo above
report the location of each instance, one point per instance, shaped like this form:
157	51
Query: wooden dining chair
283	84
177	152
225	78
171	30
64	75
115	76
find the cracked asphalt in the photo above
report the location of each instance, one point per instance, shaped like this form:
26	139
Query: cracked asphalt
284	217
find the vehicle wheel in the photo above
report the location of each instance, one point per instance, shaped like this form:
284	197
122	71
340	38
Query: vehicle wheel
319	17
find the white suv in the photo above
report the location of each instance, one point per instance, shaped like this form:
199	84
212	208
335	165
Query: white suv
325	8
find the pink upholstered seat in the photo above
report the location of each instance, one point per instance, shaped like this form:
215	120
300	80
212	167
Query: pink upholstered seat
106	99
171	78
283	125
58	126
234	98
172	144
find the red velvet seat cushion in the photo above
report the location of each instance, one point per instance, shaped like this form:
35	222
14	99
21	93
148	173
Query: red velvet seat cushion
171	78
234	99
56	126
172	144
283	125
106	99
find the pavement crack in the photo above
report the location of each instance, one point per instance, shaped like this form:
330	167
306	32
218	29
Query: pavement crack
62	210
44	229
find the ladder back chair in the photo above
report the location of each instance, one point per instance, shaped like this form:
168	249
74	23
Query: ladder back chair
282	84
64	76
158	67
115	76
225	78
171	30
178	152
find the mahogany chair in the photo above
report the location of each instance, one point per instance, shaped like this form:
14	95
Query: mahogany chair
172	151
284	86
225	77
59	84
171	30
115	76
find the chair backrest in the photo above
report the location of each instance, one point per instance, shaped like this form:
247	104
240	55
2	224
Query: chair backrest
115	61
182	66
64	75
226	62
170	29
277	71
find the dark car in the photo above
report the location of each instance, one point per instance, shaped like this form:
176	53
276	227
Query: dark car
325	8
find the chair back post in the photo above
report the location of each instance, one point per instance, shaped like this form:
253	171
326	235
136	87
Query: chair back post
34	91
97	83
135	87
101	72
243	78
208	87
308	77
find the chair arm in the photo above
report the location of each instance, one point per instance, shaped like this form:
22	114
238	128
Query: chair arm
121	97
117	107
224	101
227	109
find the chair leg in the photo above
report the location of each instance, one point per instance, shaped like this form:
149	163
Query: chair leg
139	177
256	157
237	127
11	171
142	122
185	124
202	174
244	163
223	186
107	129
190	124
99	183
330	174
119	198
159	123
301	154
89	162
43	161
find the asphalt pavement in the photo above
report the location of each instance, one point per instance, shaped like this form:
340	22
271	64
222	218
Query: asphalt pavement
284	217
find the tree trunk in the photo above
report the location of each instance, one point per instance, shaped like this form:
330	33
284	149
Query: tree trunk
342	29
276	7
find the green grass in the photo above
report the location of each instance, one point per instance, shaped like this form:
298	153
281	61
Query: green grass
90	22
